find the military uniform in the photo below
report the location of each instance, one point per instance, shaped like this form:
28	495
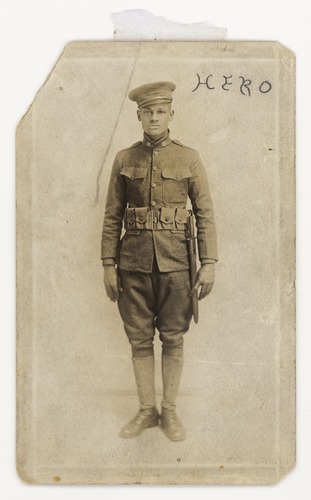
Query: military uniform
150	184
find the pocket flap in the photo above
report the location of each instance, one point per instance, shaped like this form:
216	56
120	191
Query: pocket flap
176	173
181	216
130	215
133	172
141	214
167	215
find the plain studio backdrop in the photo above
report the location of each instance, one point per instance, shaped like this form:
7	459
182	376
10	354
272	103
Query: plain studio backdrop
34	34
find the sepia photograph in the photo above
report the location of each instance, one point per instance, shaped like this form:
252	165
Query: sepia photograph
156	266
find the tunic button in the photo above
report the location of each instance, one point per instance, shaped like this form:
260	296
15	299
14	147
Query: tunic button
153	203
148	144
155	153
154	167
164	143
167	219
153	185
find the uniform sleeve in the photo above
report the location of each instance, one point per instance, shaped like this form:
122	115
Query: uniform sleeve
202	206
114	213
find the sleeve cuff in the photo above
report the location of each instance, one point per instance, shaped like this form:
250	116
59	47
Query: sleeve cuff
208	261
108	261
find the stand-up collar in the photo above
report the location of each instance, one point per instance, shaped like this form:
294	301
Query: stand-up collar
162	141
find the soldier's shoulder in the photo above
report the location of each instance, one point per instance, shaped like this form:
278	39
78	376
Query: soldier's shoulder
138	143
133	146
181	145
128	153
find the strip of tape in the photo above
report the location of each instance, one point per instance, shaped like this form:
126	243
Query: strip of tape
139	24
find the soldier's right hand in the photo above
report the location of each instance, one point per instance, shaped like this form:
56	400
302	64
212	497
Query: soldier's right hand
111	283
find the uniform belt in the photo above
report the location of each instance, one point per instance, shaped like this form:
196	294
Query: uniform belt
172	218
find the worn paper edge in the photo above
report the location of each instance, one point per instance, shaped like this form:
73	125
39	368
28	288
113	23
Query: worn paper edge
197	475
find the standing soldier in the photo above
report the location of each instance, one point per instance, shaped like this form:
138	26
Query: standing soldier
147	270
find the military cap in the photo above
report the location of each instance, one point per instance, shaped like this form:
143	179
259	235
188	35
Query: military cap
151	93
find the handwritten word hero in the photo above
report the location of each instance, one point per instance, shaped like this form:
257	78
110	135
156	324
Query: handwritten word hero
246	86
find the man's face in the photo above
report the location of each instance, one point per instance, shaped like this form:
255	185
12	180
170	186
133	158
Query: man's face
155	118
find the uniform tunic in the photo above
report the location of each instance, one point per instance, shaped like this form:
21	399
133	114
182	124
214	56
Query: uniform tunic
156	177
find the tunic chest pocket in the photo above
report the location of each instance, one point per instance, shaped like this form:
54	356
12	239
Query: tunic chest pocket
175	185
135	177
133	173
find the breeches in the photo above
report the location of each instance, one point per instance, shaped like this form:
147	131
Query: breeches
151	301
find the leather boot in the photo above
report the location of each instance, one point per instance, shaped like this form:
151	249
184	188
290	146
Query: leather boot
171	374
148	415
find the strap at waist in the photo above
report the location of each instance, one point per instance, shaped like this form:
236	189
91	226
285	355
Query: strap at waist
153	220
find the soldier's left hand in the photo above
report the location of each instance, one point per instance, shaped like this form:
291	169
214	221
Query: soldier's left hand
205	280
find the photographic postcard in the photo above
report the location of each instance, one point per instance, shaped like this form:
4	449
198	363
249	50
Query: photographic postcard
138	134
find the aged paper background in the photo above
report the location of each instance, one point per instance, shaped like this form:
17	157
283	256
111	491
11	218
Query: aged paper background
75	383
